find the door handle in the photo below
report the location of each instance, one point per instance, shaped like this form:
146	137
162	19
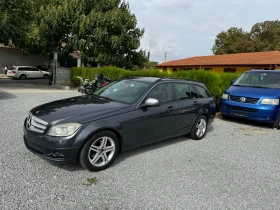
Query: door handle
195	103
169	109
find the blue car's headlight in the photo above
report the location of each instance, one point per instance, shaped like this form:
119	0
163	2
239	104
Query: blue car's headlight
270	101
225	96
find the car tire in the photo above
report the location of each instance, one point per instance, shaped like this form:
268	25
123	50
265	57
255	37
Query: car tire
46	76
276	124
199	128
99	152
22	76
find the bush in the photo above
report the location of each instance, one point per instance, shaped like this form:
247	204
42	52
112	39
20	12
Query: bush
226	79
215	82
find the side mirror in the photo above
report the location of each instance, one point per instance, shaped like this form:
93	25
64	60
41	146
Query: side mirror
232	82
151	102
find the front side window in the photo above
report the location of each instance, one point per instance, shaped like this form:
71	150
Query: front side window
185	91
127	90
259	79
161	92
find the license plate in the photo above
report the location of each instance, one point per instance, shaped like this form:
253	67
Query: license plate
239	113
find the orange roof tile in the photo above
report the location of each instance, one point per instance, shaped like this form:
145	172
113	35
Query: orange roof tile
254	58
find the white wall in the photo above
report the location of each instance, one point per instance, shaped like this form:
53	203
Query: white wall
9	56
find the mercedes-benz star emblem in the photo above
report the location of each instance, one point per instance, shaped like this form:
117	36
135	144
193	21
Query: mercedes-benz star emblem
29	122
242	99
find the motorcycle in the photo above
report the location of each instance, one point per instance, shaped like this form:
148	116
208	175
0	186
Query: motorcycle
6	68
89	87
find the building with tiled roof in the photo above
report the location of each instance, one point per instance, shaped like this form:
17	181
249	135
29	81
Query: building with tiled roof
238	63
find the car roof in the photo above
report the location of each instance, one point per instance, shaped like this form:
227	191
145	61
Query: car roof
149	79
25	66
143	78
262	70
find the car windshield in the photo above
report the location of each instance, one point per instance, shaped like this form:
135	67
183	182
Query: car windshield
259	79
126	90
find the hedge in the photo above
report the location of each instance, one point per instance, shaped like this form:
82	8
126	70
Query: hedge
216	83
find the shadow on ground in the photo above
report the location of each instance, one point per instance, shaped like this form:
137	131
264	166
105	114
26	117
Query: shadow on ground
241	121
6	95
123	156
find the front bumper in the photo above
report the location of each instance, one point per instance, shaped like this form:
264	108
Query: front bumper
50	148
256	112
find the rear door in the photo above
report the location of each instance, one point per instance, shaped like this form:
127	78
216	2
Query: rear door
28	72
36	73
187	106
207	101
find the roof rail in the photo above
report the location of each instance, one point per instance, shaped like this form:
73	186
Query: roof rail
187	79
257	70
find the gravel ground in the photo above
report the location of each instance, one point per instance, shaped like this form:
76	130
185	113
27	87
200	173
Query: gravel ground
236	166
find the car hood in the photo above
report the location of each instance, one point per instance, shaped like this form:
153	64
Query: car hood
254	92
79	109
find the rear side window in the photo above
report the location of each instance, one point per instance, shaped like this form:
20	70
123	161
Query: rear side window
202	92
185	91
34	69
21	69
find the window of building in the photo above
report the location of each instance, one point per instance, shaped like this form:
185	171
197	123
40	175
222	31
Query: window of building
182	69
164	68
208	69
189	69
174	69
197	68
230	70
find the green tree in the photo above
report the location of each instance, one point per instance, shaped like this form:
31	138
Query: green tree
263	36
266	36
104	31
234	40
16	18
107	33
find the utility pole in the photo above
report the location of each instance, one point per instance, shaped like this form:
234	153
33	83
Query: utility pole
165	56
149	53
54	68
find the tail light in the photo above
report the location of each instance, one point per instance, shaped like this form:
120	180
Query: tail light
14	72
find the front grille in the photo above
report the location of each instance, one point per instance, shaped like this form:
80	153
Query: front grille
242	99
241	108
35	124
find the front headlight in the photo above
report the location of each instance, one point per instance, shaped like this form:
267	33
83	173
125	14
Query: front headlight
270	101
225	96
64	129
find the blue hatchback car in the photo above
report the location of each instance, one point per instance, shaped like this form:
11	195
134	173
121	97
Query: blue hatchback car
254	96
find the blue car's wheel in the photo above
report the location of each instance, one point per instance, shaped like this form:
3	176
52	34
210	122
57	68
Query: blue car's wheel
277	123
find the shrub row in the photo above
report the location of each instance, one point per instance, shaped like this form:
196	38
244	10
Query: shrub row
215	82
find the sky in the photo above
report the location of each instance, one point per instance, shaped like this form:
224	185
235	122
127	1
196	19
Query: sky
187	28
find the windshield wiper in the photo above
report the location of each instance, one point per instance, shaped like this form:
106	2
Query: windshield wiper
253	86
104	97
257	86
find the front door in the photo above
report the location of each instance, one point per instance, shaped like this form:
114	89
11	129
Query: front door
150	124
36	73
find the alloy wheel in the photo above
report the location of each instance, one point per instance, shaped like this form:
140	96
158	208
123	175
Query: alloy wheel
101	151
201	127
